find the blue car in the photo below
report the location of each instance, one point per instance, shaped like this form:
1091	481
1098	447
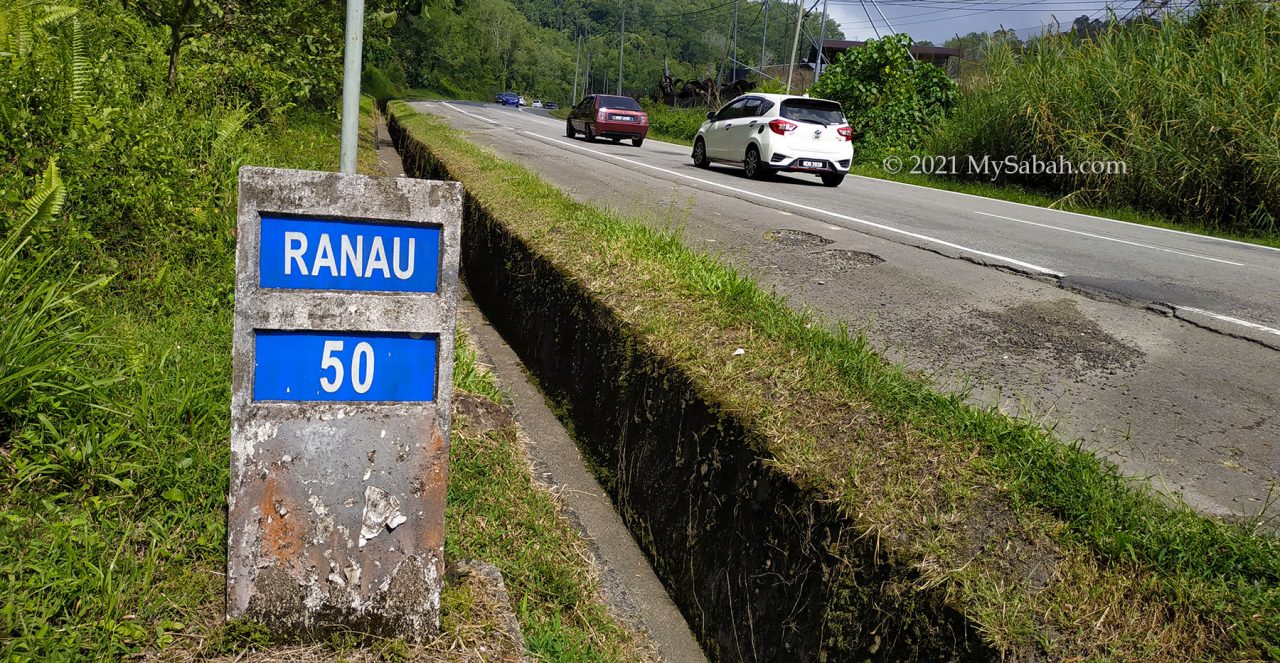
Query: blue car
509	99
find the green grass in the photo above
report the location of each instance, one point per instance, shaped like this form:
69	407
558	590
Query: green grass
496	514
1187	103
935	478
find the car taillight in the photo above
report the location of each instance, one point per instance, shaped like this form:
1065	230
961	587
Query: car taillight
644	119
782	127
845	133
600	114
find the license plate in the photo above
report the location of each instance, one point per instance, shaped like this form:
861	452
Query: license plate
622	118
813	164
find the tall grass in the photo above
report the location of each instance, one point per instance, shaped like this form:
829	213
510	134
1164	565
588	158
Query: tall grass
1191	105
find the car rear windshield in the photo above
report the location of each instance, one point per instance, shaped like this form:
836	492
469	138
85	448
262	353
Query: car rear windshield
812	110
620	103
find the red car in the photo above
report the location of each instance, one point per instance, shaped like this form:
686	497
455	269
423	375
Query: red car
608	116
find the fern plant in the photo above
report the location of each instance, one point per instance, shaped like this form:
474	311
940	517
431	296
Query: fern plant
19	20
47	200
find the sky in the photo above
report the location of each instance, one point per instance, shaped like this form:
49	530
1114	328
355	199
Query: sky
938	20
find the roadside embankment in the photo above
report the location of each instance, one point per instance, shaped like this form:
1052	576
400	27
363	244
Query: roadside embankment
804	500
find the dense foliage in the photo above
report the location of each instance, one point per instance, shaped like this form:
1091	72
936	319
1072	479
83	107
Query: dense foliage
116	259
1189	105
892	101
479	47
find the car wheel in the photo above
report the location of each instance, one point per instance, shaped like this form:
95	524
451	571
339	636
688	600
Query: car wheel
568	129
700	154
589	133
751	164
834	179
637	141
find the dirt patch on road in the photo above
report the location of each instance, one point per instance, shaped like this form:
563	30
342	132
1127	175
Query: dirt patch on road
797	238
1058	328
839	260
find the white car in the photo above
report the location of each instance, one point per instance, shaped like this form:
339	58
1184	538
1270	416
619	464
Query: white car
522	101
771	133
537	103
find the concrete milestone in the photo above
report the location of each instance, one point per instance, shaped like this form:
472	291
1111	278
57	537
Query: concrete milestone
346	294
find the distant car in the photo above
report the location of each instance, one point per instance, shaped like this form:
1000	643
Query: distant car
522	101
509	99
608	116
550	105
772	133
537	103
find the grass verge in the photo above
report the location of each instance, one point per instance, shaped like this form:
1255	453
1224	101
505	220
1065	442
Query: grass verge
1044	547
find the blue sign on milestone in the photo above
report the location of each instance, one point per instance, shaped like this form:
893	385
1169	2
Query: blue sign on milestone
343	366
315	254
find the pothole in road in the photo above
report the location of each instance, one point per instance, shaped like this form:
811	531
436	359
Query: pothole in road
841	259
797	238
1061	330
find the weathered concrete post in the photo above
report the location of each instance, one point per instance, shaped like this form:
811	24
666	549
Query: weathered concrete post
346	294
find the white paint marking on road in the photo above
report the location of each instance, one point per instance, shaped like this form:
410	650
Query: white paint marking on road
1087	216
785	213
535	118
835	228
482	119
1111	239
1227	318
752	194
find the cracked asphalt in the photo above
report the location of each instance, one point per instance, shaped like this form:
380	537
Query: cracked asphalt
1158	350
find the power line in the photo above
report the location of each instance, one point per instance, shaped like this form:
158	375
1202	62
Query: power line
696	11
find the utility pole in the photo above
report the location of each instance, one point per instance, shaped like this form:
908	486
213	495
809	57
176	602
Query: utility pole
577	58
351	86
622	41
795	42
733	75
891	28
822	40
764	35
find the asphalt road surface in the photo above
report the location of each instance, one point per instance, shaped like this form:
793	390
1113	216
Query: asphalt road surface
1156	348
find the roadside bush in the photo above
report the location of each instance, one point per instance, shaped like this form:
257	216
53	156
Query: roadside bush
675	123
891	100
378	85
1188	105
113	399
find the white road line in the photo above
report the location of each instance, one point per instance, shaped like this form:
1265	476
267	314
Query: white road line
1087	216
752	194
1227	318
537	118
1111	239
482	119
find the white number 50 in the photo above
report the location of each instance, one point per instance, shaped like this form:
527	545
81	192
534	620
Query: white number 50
361	367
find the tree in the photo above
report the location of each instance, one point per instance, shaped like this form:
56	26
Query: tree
184	19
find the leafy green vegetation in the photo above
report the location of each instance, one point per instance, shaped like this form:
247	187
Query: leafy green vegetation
116	292
890	99
476	49
677	125
973	500
1187	104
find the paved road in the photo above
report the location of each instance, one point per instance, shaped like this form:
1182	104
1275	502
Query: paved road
1155	347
